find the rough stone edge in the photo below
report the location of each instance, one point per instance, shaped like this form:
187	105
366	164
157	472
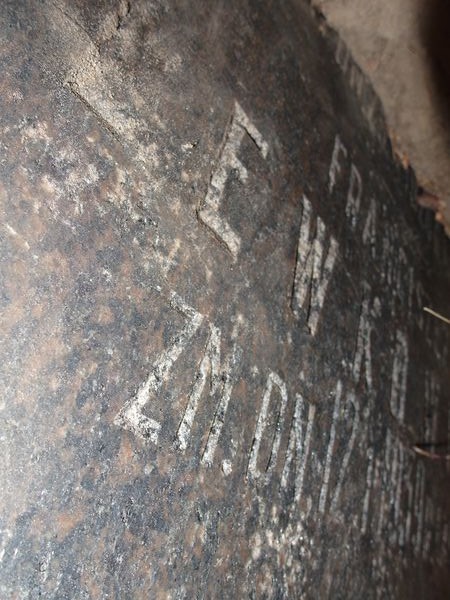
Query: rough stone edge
381	132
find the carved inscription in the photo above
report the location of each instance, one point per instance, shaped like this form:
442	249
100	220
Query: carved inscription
394	505
210	364
131	416
314	267
362	361
342	469
299	445
399	377
209	212
326	476
273	380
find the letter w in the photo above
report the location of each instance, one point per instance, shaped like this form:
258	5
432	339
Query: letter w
313	268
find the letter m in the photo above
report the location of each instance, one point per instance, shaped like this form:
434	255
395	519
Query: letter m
313	269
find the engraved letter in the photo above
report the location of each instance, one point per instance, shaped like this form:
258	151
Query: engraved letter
272	380
399	377
335	166
208	213
131	416
313	270
221	382
298	448
354	195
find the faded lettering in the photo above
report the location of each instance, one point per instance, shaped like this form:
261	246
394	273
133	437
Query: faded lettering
354	195
219	416
369	235
335	166
347	453
298	446
330	449
208	213
369	484
314	267
131	416
363	353
272	380
399	377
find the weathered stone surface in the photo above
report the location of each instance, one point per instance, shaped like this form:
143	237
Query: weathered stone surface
215	362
